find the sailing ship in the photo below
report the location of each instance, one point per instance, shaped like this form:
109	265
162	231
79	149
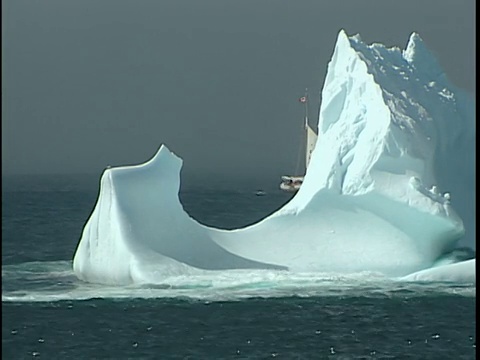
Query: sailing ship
293	182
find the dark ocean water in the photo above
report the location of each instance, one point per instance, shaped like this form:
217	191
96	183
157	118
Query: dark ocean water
48	313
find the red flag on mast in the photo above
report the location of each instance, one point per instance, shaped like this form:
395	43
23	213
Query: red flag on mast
303	99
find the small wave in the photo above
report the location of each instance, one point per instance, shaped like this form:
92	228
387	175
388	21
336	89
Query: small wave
55	281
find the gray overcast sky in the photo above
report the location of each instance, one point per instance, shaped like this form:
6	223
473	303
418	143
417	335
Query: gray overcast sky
88	83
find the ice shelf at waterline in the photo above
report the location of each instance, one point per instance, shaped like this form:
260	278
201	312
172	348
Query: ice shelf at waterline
394	136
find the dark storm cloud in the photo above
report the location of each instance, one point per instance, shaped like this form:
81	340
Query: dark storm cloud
90	83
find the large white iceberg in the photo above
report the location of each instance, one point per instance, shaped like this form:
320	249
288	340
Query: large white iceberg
394	137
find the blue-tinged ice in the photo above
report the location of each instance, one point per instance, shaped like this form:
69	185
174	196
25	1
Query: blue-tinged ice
388	188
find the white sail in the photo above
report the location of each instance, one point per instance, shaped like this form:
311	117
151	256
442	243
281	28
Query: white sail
311	142
293	183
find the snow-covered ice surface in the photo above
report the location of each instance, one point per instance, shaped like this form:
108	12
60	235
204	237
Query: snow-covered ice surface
394	137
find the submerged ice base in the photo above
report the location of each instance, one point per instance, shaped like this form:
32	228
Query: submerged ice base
366	203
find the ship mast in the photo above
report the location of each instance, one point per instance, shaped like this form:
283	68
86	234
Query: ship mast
306	108
305	141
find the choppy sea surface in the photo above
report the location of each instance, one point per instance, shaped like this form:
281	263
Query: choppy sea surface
48	313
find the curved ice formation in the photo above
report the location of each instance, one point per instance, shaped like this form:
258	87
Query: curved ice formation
463	271
391	127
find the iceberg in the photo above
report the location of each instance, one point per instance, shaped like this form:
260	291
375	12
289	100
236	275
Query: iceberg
394	160
463	271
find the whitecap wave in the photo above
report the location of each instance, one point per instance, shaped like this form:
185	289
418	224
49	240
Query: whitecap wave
56	281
